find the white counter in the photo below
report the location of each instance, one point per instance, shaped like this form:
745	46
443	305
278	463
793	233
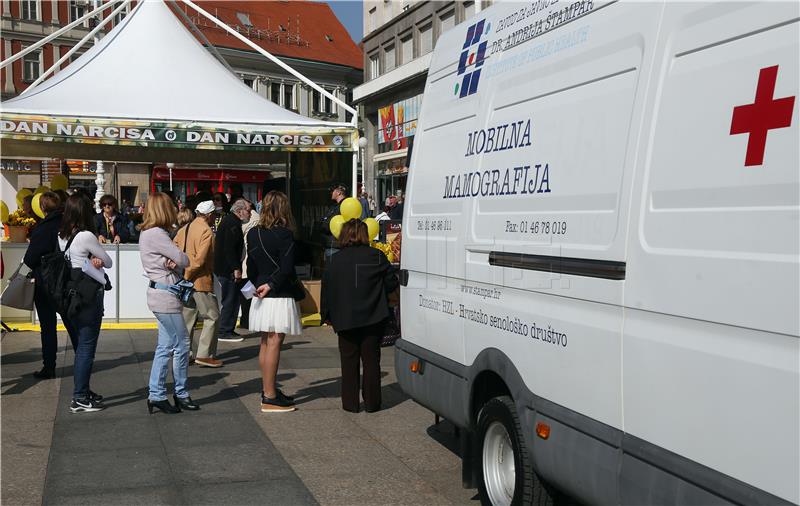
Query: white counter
126	301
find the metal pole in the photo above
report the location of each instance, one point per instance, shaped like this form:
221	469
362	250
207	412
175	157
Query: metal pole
355	172
275	60
34	47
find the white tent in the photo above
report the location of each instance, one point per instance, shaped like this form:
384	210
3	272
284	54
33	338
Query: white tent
150	91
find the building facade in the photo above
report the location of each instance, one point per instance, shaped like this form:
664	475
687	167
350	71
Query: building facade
399	37
305	35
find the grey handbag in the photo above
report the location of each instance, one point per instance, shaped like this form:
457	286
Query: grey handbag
19	292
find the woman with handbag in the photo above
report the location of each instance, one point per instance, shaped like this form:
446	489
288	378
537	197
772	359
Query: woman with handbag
77	239
161	260
270	267
354	290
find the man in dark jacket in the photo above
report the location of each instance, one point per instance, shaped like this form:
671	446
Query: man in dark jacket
331	245
228	254
44	240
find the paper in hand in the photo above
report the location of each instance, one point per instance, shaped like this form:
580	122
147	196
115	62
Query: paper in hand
93	272
249	290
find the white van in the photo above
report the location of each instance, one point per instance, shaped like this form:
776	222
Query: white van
601	251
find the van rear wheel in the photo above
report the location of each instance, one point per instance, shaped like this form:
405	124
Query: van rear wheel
507	476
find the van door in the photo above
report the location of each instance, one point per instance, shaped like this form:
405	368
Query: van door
545	251
710	345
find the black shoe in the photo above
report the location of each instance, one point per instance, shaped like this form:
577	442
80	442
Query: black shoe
277	405
95	396
186	403
85	405
45	373
284	396
231	338
163	406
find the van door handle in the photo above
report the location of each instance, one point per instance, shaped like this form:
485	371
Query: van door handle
402	274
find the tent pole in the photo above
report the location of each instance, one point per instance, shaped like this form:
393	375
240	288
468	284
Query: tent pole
34	47
75	48
275	60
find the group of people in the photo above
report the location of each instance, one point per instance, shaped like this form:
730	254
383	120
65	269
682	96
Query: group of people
206	247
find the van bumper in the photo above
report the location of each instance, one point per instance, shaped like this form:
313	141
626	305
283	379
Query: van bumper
440	384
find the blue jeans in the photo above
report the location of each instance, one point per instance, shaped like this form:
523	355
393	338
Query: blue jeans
171	343
86	326
230	305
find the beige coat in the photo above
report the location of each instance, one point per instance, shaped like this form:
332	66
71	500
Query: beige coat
200	250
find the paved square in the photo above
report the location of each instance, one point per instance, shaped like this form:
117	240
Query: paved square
228	452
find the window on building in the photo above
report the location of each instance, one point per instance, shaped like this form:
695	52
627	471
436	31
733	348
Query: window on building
249	81
469	9
447	21
425	39
389	58
275	92
348	99
374	66
373	19
30	9
121	14
406	49
327	103
76	10
31	66
288	96
316	103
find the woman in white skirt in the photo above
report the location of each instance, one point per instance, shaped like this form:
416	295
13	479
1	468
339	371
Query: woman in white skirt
270	266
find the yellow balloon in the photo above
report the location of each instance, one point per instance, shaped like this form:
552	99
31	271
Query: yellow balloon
336	225
37	207
59	182
350	208
373	228
3	212
21	196
41	189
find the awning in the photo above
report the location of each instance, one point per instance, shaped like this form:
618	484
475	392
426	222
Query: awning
150	91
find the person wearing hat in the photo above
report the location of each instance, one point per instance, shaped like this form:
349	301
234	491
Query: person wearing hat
338	194
197	241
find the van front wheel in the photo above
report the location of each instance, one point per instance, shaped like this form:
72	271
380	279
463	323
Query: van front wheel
507	476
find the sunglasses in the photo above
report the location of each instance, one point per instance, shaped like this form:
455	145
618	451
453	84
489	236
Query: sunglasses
108	205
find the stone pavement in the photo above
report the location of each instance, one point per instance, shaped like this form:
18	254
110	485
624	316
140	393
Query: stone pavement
227	453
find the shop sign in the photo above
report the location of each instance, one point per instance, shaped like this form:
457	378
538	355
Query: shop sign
231	176
173	135
15	165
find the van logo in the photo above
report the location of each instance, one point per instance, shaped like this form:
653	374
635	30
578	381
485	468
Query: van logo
764	114
472	55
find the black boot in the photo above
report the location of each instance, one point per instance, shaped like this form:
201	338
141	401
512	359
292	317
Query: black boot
163	406
45	373
186	403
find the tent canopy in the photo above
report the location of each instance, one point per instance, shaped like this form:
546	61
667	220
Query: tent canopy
149	90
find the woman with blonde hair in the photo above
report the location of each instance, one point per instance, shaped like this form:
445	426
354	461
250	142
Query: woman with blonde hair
270	267
162	262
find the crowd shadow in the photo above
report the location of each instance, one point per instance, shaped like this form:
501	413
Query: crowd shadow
22	383
250	352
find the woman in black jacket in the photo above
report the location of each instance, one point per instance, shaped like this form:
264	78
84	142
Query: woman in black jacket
112	226
354	292
44	240
270	267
